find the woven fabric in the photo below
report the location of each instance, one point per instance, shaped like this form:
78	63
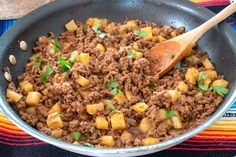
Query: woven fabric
217	140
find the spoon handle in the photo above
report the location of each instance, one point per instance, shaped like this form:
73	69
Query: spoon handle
229	10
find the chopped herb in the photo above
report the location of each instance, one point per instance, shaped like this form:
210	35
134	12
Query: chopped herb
64	64
57	114
112	108
132	54
170	113
56	43
54	50
38	64
48	72
111	85
201	77
222	91
88	144
98	31
171	55
76	135
115	91
84	27
140	33
73	57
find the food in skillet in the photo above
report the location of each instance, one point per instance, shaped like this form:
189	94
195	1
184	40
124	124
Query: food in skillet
92	86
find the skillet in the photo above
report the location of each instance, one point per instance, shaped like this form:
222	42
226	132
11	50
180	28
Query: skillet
220	43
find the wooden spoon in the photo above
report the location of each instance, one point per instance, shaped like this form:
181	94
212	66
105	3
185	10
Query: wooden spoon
165	55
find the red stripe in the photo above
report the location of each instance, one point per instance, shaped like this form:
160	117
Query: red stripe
25	144
214	3
221	130
13	129
211	141
7	134
200	149
213	144
20	140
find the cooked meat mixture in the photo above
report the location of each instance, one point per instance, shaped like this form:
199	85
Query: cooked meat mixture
92	86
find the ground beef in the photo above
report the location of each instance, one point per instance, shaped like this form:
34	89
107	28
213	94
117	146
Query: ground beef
112	64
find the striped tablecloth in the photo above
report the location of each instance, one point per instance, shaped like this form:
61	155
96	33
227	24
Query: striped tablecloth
217	140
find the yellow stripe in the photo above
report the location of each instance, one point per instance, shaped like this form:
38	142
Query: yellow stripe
228	137
12	131
221	128
224	124
218	133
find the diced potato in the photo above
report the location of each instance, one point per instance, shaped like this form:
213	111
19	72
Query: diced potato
207	81
149	31
84	58
176	120
139	107
26	86
128	95
101	123
110	27
220	82
33	98
56	133
120	97
37	55
71	26
169	122
191	75
132	24
207	64
13	95
139	55
135	46
100	48
182	87
145	125
118	121
82	81
173	34
55	108
161	38
122	29
150	140
31	110
193	59
155	31
84	93
211	74
107	141
198	95
174	94
162	113
94	21
54	121
94	109
45	91
126	136
155	39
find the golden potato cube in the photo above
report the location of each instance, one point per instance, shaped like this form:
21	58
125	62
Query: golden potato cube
169	122
54	121
100	48
139	55
220	82
176	120
182	87
82	81
120	97
173	34
94	21
132	24
145	125
101	123
198	95
128	95
84	93
206	81
126	136
150	140
107	141
55	108
31	110
135	46
193	59
33	98
94	109
174	94
161	38
84	58
122	29
56	133
155	31
207	64
155	39
149	33
191	75
139	107
211	74
45	91
162	113
71	26
118	121
110	27
13	95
